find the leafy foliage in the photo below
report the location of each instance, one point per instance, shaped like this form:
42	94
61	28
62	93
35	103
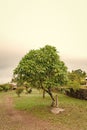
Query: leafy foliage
76	78
5	87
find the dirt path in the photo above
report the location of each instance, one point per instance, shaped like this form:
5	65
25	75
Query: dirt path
11	119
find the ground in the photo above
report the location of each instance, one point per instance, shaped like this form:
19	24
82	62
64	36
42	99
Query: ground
11	119
32	112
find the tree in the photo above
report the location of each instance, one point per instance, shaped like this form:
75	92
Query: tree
43	69
76	78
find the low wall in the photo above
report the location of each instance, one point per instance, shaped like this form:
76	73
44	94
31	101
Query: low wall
81	93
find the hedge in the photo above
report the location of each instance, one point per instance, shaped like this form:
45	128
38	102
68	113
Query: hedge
79	93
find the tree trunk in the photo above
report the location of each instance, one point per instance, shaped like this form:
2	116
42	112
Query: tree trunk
43	93
53	100
50	93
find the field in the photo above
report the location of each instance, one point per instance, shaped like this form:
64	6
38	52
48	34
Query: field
32	112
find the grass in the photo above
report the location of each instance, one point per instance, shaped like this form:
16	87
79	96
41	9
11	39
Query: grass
74	116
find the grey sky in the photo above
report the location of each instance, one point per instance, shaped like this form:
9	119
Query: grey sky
30	24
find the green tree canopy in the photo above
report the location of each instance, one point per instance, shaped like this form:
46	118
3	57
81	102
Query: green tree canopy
42	68
76	78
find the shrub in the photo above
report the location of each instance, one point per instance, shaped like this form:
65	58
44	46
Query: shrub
5	87
1	89
74	84
19	90
83	82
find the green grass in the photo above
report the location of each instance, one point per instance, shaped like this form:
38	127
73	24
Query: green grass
74	116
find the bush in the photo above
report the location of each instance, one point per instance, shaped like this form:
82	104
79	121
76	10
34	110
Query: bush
83	82
5	87
74	84
29	90
19	90
1	89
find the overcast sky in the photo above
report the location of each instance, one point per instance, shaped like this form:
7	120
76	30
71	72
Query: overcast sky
31	24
